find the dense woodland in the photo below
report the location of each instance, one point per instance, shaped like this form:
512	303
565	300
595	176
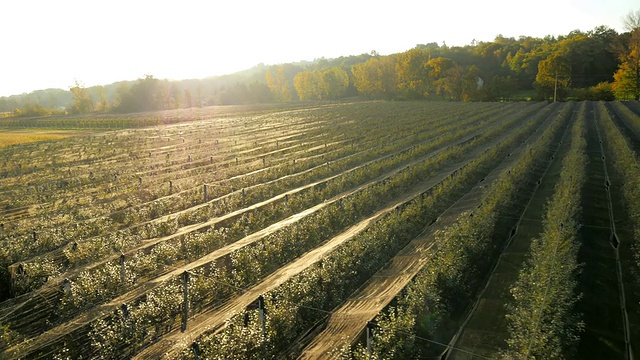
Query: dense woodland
600	64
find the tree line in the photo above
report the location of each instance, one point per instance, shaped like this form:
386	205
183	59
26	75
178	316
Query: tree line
600	64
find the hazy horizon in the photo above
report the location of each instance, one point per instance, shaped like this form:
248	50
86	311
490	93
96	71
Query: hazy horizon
52	44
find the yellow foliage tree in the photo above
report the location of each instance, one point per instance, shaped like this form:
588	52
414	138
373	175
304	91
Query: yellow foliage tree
554	76
330	84
627	79
278	84
413	73
82	102
376	78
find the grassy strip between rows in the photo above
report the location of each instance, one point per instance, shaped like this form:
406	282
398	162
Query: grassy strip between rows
542	319
304	299
8	138
451	277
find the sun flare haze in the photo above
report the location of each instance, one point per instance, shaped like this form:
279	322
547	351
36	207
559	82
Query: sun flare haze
331	179
51	44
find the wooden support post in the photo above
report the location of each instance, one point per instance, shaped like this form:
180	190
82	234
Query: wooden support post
205	192
246	319
21	271
123	273
66	285
183	247
196	350
555	88
369	340
261	314
185	300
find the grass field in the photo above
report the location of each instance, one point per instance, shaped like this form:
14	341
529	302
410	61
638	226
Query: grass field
454	230
13	137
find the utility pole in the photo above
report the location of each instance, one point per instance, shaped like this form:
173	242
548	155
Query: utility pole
555	88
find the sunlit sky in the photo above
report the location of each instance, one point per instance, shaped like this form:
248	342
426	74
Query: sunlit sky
47	44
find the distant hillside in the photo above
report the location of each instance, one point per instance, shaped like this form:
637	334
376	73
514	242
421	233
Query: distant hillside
214	90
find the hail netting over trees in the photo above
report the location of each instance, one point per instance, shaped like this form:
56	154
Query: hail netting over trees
306	208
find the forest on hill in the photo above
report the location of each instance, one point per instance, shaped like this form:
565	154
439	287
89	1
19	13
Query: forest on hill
600	64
